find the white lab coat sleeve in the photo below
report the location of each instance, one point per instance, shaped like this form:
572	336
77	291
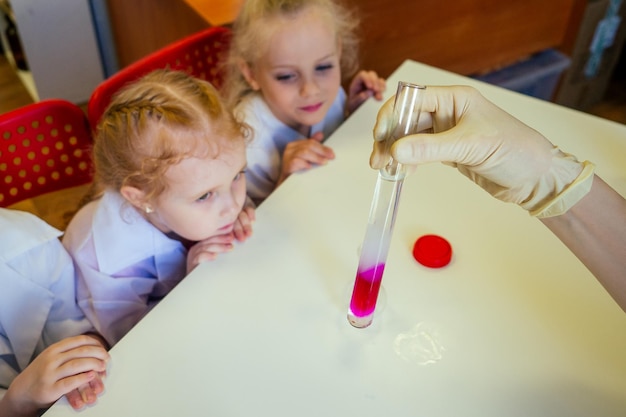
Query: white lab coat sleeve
124	265
114	304
37	297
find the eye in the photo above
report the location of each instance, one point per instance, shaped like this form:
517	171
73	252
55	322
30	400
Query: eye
239	175
324	67
285	77
204	197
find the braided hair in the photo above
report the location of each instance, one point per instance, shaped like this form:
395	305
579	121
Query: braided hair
154	123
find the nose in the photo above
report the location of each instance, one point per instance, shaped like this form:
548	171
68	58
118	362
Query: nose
309	87
230	204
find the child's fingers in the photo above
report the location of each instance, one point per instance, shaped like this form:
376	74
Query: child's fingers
250	212
86	393
223	239
97	384
315	150
82	359
207	251
379	87
305	160
214	248
242	230
69	385
80	365
318	136
243	226
89	392
371	81
72	343
317	154
210	252
309	151
75	399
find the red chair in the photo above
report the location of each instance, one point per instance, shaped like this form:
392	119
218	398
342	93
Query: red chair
44	147
199	54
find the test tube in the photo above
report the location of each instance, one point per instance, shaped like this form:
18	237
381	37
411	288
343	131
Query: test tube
383	211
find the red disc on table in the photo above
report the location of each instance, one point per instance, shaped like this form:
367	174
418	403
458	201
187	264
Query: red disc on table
432	251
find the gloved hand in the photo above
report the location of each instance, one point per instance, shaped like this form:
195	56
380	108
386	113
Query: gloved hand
508	159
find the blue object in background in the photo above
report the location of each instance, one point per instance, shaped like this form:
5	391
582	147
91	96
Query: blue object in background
603	38
536	76
104	37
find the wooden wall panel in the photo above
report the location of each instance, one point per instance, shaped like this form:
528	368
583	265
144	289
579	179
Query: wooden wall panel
463	36
142	26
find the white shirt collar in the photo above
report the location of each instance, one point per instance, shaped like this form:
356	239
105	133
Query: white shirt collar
22	231
116	220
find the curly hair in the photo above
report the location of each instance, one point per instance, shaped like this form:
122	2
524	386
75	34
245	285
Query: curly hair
154	123
253	28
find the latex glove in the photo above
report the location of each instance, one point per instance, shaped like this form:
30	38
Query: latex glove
508	159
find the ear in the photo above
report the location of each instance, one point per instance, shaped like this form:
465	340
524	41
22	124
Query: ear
136	197
248	74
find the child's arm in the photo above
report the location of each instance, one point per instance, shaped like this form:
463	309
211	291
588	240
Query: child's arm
364	85
301	155
75	363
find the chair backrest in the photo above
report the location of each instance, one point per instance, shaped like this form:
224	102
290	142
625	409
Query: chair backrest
44	147
199	54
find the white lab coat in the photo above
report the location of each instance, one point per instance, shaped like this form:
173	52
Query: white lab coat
37	292
271	136
124	265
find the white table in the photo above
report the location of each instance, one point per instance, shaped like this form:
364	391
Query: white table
521	327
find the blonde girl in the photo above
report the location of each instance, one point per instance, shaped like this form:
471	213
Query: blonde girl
169	194
287	63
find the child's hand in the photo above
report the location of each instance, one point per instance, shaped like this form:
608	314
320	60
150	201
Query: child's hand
208	249
88	393
243	226
364	85
303	154
72	367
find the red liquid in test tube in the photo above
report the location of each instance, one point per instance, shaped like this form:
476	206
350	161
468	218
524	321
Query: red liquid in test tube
383	212
365	291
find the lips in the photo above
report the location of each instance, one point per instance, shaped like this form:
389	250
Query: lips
226	228
312	108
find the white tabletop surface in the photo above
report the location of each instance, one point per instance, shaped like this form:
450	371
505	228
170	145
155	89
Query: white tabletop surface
513	326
